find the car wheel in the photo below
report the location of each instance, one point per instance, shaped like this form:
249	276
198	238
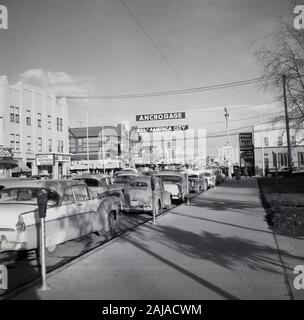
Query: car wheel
111	222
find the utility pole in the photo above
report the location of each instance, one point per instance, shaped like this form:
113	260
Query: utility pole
227	125
262	141
287	127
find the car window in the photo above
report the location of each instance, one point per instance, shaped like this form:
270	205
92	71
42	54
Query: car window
26	196
68	196
123	179
193	176
89	182
81	193
138	184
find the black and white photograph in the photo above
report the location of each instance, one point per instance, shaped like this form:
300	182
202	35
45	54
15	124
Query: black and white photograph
151	150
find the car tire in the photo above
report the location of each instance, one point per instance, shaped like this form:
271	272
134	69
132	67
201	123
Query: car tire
111	231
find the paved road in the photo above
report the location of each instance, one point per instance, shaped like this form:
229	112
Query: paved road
219	247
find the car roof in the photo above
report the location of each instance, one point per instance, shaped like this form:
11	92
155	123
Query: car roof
127	173
142	178
90	176
58	186
170	173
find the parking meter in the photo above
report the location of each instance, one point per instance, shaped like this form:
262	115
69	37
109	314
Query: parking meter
42	197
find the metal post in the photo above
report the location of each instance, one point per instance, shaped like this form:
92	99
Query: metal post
287	127
44	286
153	207
188	193
42	197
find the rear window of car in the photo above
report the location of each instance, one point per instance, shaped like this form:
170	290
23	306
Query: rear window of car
170	178
123	179
193	176
138	184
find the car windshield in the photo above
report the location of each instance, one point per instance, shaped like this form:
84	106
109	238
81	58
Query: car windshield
170	178
123	179
26	196
208	174
89	182
138	184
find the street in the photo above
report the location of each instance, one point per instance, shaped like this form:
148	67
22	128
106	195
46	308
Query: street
218	247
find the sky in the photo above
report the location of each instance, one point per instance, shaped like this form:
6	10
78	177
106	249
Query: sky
115	47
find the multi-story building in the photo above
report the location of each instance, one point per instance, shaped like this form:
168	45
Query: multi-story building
270	143
34	126
103	147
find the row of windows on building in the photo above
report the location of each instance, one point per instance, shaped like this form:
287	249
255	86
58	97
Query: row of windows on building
282	159
15	144
15	117
280	141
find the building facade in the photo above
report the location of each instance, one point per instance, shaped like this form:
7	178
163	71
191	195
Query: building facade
34	126
270	143
104	147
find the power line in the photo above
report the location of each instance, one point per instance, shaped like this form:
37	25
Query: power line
173	92
154	44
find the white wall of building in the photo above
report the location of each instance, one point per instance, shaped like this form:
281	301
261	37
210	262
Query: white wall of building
29	101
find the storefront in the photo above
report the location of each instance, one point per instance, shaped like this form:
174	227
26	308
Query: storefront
56	165
7	162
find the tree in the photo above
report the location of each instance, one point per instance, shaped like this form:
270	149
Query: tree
285	57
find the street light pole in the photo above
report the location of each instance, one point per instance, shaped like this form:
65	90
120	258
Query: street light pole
287	127
88	153
227	125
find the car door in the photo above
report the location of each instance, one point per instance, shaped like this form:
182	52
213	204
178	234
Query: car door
61	220
87	209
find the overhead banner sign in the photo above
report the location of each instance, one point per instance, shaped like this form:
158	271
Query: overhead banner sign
161	116
163	129
245	140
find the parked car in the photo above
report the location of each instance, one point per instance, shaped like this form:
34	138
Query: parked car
175	183
101	186
71	213
211	178
138	195
197	181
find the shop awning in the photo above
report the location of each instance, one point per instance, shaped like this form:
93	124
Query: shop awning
8	163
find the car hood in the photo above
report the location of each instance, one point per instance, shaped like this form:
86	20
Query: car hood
9	213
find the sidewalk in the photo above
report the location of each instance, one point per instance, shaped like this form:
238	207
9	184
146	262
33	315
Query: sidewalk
219	247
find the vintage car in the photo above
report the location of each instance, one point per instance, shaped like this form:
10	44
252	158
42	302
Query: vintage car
197	181
138	195
71	213
101	186
211	178
175	182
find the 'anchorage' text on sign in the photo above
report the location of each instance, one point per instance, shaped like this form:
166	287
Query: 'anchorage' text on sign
161	116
